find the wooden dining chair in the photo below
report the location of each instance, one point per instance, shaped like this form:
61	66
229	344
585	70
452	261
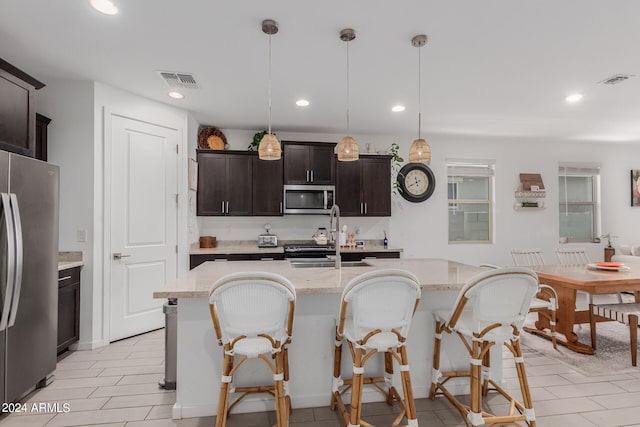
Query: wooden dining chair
624	313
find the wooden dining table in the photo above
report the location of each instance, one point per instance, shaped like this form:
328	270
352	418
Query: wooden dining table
566	280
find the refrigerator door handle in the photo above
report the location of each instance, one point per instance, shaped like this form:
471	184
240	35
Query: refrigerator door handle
17	224
7	291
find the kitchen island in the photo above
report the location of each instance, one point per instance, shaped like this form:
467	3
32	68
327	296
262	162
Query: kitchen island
311	351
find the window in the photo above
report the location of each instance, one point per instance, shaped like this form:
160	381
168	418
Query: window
470	193
579	201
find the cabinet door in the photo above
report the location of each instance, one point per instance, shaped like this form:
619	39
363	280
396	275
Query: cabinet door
376	186
68	308
296	164
348	195
41	136
267	187
322	164
212	183
239	184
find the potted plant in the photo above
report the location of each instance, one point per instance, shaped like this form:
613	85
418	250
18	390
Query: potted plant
396	161
257	137
609	250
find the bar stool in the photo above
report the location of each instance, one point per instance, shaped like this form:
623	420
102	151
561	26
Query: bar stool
375	315
252	315
490	309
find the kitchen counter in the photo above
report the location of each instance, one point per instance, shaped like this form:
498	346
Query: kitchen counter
69	260
434	274
311	351
251	247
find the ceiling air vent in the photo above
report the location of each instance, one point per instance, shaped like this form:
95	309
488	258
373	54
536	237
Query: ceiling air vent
618	78
179	80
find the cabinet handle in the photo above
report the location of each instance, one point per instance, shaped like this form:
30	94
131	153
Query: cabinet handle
365	208
227	210
222	207
307	175
64	278
312	176
280	207
266	259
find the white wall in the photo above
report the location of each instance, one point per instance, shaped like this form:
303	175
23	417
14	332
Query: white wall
69	105
421	229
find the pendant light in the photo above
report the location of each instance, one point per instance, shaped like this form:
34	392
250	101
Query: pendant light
420	150
269	148
347	147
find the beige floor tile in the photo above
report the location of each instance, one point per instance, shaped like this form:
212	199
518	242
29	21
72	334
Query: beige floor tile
615	401
77	373
128	362
534	371
587	389
144	354
568	420
578	378
141	379
159	423
70	365
565	406
48	394
132	370
73	404
83	382
537	381
14	420
160	412
613	417
88	356
124	390
141	400
629	385
99	417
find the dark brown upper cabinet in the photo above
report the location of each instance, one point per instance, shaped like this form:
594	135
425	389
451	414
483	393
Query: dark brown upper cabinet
225	183
363	187
309	163
17	110
267	187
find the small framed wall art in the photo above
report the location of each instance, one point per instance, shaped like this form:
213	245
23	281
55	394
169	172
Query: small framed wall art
635	187
193	175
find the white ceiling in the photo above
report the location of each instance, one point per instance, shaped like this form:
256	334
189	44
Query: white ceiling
496	68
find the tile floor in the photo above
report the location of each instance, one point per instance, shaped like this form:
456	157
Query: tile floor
116	386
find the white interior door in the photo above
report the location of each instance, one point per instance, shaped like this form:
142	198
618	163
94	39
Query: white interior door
143	223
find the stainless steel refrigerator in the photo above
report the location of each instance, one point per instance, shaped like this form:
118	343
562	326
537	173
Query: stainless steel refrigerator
28	273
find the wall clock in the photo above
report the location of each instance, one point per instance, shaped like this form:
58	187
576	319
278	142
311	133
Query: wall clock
416	182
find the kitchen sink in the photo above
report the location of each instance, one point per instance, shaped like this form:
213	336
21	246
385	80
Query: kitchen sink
324	263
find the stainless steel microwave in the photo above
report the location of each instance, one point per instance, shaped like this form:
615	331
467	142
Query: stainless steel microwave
308	199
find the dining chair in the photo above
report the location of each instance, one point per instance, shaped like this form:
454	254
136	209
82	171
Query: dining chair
545	301
252	315
376	310
626	313
490	309
578	256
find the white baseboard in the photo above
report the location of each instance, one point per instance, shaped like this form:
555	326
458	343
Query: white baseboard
88	345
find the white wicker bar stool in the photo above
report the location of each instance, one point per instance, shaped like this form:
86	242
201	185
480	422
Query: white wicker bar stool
252	315
490	309
375	315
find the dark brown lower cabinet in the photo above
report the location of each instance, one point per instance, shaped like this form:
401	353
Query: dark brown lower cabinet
359	256
68	307
196	260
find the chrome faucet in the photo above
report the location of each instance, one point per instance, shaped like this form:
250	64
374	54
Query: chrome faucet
335	212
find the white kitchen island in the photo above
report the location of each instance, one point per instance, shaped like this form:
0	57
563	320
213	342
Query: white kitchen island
311	352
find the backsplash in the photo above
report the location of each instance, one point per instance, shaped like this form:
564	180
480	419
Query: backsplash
292	227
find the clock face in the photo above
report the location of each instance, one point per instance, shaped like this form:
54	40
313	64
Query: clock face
416	182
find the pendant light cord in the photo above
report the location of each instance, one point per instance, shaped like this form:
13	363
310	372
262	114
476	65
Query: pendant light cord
347	86
419	90
269	83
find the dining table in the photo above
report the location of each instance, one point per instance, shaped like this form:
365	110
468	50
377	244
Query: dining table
591	278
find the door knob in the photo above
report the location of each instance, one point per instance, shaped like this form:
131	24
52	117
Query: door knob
118	255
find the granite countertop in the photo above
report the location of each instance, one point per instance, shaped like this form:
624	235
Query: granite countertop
433	274
69	260
251	247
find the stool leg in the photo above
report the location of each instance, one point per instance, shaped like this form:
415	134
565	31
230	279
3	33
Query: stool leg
407	388
285	356
475	404
388	375
524	383
337	361
436	360
356	388
552	327
223	399
486	367
282	413
633	331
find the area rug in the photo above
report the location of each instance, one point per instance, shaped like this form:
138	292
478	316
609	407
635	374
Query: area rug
612	354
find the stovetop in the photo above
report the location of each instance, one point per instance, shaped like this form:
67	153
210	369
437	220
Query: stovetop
308	247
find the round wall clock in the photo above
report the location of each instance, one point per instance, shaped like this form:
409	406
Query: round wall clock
416	182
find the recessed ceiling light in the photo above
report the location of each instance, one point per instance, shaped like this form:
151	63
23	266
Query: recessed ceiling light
574	97
397	108
104	6
302	103
176	95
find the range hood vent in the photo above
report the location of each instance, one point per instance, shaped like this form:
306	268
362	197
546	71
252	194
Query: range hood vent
618	78
179	80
